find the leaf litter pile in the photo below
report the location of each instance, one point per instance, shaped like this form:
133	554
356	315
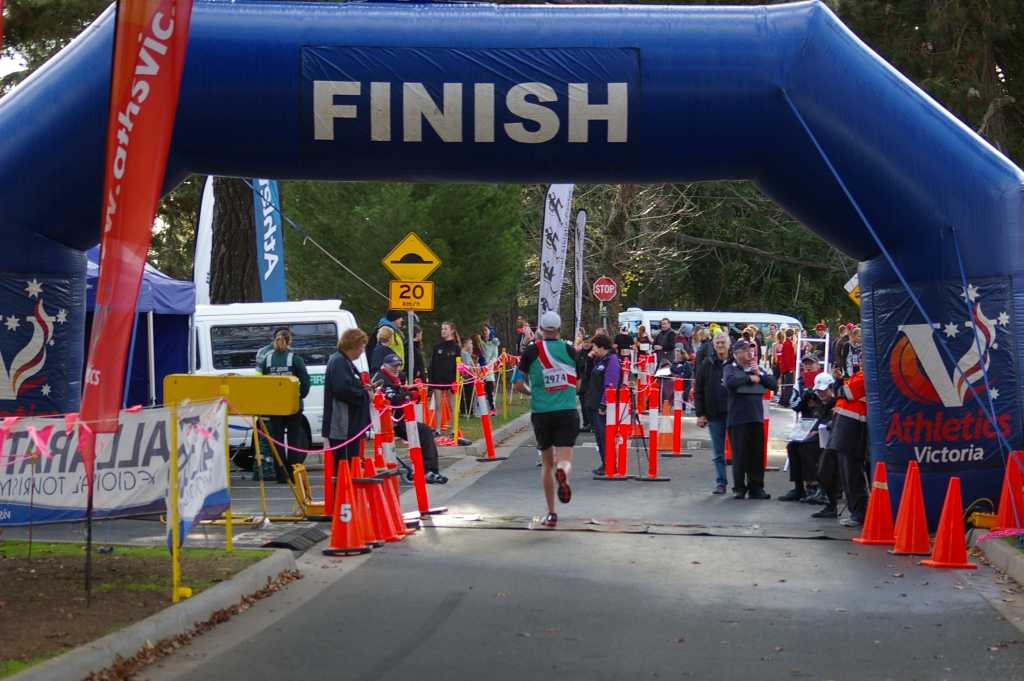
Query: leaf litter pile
43	609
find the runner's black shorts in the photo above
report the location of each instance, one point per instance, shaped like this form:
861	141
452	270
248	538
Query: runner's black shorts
556	428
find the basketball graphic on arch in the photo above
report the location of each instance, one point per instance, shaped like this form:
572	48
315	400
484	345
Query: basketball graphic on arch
908	375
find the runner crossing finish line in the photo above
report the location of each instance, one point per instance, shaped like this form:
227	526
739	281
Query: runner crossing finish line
547	373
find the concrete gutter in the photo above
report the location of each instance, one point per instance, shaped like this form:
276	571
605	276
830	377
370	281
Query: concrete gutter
77	664
1001	555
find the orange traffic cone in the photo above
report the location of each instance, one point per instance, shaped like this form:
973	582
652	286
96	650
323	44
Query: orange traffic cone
1011	500
346	538
378	506
950	547
911	523
361	508
878	521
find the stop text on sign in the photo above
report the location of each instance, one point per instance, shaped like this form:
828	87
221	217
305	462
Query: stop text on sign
605	289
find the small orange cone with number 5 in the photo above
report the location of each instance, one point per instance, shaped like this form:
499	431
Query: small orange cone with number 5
346	536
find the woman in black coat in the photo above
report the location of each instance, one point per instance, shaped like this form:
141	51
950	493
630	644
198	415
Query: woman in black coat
346	399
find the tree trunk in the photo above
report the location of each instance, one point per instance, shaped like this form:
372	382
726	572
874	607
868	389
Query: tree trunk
234	277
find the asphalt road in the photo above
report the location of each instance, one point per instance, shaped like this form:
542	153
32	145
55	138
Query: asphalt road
623	591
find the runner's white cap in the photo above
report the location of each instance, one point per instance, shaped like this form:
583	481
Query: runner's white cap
823	381
550	321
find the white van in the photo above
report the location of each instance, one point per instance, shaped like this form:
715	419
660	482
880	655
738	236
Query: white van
226	339
633	317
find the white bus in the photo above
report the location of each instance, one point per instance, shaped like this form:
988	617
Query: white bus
226	339
633	317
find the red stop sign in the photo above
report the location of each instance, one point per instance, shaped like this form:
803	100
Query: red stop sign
605	289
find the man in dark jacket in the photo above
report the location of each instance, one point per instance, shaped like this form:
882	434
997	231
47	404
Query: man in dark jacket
665	341
605	372
711	404
746	383
346	399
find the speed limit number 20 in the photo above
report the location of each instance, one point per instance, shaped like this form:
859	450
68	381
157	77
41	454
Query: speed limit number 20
411	295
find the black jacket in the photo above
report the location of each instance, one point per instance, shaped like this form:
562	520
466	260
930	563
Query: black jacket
745	407
442	362
709	394
706	350
343	389
395	393
667	341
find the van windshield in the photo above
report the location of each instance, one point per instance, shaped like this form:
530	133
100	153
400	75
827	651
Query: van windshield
236	346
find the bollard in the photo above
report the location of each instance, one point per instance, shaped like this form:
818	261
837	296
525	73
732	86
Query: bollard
485	421
376	414
653	418
419	480
677	419
330	473
420	405
611	412
767	425
625	421
642	385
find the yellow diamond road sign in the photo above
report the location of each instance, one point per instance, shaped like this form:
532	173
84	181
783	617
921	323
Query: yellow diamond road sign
411	259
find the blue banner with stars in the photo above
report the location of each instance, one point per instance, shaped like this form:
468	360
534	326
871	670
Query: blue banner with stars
948	388
36	313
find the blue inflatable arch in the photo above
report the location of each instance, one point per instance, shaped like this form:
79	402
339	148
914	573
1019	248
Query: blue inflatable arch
784	95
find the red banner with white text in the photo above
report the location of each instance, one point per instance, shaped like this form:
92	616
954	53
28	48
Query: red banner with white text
149	56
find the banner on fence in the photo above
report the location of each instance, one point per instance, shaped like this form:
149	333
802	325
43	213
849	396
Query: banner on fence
47	484
202	463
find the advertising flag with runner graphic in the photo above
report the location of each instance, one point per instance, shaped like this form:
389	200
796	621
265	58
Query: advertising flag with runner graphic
149	54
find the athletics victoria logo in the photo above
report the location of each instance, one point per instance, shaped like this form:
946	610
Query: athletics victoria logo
949	411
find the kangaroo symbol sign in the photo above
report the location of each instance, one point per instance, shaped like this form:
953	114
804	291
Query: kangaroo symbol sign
605	289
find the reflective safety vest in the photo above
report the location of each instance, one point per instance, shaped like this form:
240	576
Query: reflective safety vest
853	401
266	365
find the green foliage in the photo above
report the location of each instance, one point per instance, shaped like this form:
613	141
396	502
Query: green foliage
474	229
967	54
35	30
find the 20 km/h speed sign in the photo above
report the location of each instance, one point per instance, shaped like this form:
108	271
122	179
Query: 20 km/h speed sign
411	295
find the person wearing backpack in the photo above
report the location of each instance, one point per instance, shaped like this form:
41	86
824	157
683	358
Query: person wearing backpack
282	360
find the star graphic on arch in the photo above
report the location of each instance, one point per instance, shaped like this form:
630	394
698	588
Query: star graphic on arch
994	393
951	330
46	390
1004	319
62	316
12	323
971	293
34	288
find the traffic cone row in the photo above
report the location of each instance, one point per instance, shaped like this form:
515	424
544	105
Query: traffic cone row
909	534
366	512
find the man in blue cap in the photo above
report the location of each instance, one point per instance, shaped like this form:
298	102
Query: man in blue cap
746	383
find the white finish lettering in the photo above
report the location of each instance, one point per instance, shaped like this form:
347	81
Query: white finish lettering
324	108
380	112
417	105
546	119
615	112
483	112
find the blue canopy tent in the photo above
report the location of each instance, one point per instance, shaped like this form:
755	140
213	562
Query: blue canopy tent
160	340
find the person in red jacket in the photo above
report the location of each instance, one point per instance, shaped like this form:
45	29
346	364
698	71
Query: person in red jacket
850	440
787	368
